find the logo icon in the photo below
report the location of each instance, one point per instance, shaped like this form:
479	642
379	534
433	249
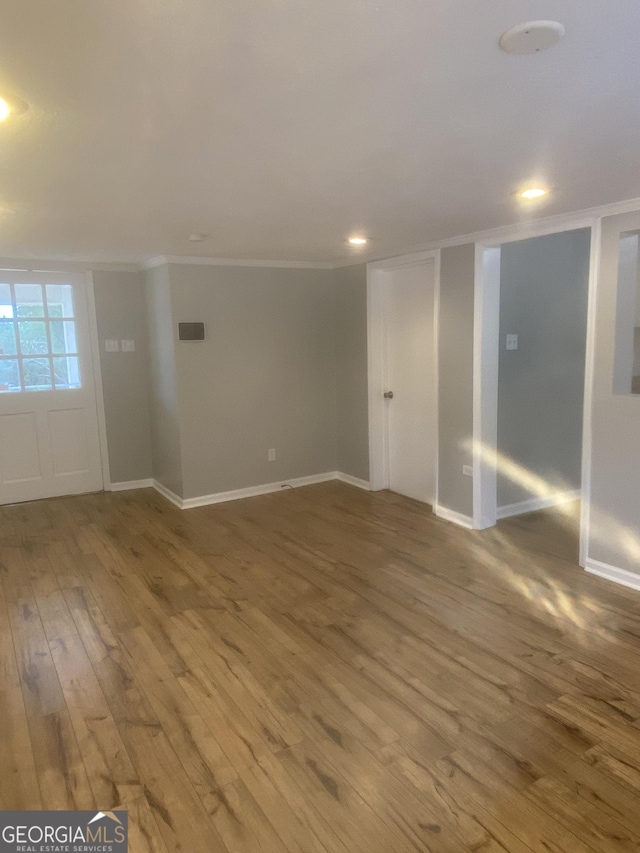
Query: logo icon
63	831
111	815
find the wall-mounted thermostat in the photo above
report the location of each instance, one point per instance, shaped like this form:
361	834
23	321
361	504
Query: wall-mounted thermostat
191	331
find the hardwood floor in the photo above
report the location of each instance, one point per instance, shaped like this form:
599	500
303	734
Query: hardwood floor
320	670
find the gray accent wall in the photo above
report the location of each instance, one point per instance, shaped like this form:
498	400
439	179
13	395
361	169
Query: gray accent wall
455	384
543	299
614	528
121	314
352	434
163	385
263	378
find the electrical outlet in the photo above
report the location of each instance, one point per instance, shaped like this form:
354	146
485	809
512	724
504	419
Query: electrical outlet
128	346
111	346
467	470
512	342
272	454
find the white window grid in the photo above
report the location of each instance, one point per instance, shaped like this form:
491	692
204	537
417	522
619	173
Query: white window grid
21	357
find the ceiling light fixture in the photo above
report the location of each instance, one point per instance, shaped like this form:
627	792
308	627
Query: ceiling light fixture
10	105
533	193
358	241
532	37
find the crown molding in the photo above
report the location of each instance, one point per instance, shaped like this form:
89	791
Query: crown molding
501	234
105	267
65	265
516	231
195	260
152	263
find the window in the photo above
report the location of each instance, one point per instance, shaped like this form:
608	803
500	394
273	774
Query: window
38	342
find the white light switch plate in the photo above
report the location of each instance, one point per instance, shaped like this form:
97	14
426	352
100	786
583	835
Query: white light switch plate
111	346
512	342
127	346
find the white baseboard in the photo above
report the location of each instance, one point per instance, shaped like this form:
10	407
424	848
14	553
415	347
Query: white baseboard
455	517
127	485
254	491
352	481
613	573
534	504
176	500
238	494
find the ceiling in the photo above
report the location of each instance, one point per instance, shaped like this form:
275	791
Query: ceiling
277	128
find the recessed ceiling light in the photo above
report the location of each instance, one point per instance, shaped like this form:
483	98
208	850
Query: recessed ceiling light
533	193
9	105
358	241
531	37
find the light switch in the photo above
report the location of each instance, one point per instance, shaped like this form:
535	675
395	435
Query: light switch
512	342
111	346
127	346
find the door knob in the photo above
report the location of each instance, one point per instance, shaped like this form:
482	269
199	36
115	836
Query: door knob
388	395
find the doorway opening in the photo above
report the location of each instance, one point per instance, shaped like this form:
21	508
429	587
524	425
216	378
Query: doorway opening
532	317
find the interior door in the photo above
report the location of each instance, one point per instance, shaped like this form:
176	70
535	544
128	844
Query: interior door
410	375
49	440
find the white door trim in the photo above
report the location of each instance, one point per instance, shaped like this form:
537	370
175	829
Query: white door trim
436	369
376	356
485	373
486	351
587	428
376	346
97	379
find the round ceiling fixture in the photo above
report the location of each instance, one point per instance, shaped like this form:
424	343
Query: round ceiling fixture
358	241
10	105
533	193
531	37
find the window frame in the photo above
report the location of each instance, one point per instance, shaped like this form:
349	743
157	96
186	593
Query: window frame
20	357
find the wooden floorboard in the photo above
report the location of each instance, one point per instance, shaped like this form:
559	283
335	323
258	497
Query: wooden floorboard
323	670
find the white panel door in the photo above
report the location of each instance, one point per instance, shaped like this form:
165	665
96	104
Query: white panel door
49	440
410	375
